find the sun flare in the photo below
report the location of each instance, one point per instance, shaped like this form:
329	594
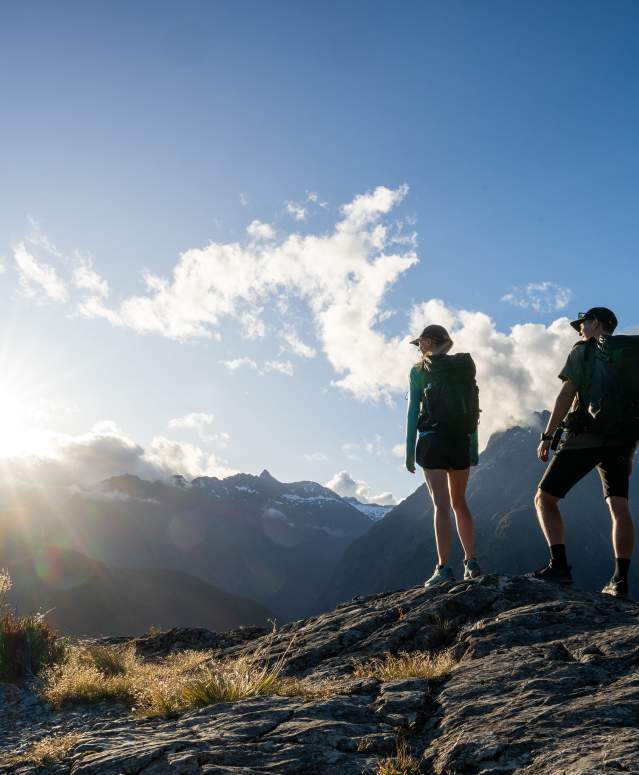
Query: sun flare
19	421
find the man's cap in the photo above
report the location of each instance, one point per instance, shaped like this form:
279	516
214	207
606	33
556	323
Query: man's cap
604	315
434	332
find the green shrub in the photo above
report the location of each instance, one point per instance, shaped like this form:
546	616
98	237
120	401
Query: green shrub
27	643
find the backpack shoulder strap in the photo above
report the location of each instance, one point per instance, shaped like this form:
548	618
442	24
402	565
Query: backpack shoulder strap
590	346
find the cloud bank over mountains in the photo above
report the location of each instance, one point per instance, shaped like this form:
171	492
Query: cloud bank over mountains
346	486
342	278
106	450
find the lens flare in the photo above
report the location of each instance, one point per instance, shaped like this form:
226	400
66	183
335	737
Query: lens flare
62	568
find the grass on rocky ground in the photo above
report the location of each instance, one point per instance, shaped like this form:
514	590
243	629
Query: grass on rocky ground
27	643
44	753
403	763
169	687
406	664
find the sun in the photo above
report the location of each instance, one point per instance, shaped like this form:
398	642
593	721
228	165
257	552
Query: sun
20	423
12	430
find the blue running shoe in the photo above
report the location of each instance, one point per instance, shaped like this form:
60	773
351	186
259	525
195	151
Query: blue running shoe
471	569
442	573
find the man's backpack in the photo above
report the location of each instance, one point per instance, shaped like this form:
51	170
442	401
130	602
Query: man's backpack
613	409
450	402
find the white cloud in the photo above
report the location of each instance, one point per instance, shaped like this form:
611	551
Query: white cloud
344	484
194	420
185	459
38	281
107	451
243	200
94	307
542	297
284	367
238	363
252	324
350	449
315	457
341	276
373	446
200	422
399	450
261	231
313	198
295	345
87	279
296	210
40	241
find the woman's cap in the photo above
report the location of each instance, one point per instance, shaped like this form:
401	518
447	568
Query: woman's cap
605	316
434	332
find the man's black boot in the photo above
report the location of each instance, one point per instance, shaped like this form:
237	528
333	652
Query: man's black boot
557	574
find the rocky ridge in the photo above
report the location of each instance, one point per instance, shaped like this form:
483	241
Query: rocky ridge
545	680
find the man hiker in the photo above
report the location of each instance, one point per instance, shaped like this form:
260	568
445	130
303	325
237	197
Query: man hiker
598	407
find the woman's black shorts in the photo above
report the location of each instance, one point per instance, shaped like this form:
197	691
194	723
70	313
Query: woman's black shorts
568	466
448	452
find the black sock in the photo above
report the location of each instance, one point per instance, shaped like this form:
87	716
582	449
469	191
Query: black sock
622	566
558	556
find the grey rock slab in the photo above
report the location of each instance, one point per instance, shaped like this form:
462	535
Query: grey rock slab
546	681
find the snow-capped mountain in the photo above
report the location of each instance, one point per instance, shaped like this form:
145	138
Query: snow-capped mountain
250	536
374	511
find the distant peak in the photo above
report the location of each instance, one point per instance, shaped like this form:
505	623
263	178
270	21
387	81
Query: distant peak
266	476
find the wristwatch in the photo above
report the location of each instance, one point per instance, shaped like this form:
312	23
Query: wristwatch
546	437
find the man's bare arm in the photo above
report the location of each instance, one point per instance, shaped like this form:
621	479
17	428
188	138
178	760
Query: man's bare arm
563	402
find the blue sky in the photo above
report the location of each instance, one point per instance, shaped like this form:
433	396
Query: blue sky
134	133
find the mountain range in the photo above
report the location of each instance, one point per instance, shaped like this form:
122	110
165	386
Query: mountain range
221	553
250	537
82	596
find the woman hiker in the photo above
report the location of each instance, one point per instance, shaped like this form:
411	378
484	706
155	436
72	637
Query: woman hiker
444	409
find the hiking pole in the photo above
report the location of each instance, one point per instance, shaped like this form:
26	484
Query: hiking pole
556	438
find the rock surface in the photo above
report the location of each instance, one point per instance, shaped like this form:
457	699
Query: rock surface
546	680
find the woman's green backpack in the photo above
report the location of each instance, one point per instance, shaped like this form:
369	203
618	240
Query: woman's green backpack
450	401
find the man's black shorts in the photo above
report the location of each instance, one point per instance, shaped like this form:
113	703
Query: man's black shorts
448	452
568	466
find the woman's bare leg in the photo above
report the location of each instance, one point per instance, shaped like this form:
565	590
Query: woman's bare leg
457	481
437	483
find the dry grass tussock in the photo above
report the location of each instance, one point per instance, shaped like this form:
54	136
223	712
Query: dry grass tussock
178	683
406	664
44	753
310	688
27	643
403	763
